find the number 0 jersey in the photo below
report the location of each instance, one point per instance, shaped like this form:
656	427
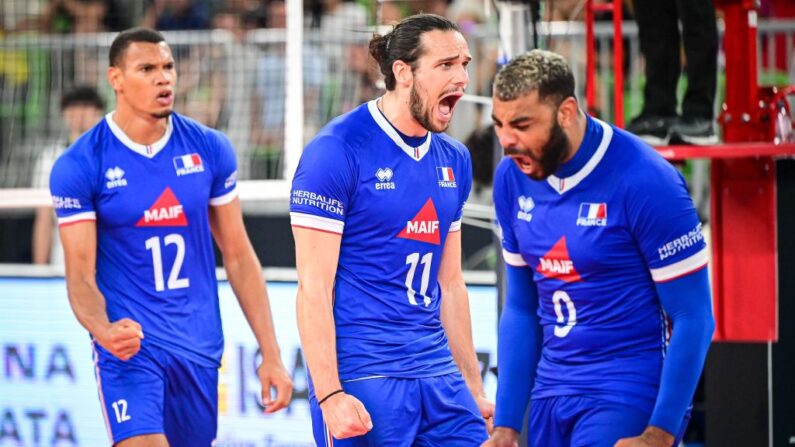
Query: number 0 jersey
616	219
155	260
394	206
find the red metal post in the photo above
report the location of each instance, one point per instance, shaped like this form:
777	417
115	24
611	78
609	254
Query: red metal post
618	64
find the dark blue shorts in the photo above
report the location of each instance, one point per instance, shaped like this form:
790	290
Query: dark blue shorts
578	421
433	411
157	392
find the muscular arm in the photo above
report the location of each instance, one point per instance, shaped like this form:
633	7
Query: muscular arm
455	314
122	338
316	256
457	322
245	276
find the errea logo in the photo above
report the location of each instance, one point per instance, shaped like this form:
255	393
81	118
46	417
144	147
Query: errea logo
526	204
115	178
384	177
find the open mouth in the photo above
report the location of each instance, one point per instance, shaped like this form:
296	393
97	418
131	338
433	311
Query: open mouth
165	97
526	164
448	102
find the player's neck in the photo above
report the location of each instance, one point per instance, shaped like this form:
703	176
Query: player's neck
396	110
140	128
576	133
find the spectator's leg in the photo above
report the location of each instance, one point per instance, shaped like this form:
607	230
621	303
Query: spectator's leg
700	36
658	33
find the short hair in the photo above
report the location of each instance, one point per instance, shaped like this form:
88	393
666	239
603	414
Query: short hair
403	43
546	72
82	95
129	36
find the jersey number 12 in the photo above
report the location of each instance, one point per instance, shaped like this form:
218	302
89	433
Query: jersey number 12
174	281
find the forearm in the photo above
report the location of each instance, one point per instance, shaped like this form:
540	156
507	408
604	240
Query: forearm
87	303
42	235
318	338
687	302
245	277
518	349
457	325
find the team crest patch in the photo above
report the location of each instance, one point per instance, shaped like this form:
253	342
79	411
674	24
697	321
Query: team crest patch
188	164
592	215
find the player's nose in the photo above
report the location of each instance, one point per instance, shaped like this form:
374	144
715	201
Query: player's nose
506	138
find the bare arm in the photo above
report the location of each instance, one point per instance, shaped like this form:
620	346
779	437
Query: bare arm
122	338
317	254
42	235
457	322
245	276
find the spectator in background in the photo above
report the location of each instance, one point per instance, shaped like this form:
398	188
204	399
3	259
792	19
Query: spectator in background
167	15
81	108
236	63
82	16
269	96
660	41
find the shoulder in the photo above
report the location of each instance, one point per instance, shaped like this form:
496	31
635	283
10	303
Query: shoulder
640	163
454	145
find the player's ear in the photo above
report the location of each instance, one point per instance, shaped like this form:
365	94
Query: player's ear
567	112
403	72
114	77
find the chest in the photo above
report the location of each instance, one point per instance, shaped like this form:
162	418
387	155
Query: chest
572	235
419	197
171	188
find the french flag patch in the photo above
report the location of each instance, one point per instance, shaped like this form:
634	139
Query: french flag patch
188	164
592	215
446	176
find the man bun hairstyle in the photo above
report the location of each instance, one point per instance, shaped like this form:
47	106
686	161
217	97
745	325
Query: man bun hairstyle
403	43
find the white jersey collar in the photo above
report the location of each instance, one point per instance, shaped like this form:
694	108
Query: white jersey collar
148	151
415	153
562	185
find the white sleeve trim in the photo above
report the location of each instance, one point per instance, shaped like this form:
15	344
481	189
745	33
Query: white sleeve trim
88	215
455	226
514	259
224	199
317	222
681	268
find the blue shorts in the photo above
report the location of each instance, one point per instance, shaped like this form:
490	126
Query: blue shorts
157	392
433	411
578	421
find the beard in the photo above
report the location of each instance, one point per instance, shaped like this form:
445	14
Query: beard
420	113
553	152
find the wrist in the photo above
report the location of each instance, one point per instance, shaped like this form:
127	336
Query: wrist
657	436
505	433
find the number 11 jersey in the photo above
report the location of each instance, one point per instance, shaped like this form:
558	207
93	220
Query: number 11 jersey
394	206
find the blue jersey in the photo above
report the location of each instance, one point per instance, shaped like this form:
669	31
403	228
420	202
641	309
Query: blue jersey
393	205
155	261
615	219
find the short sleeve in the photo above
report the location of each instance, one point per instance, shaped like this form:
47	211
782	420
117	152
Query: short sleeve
224	187
504	210
665	224
72	192
322	186
465	188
